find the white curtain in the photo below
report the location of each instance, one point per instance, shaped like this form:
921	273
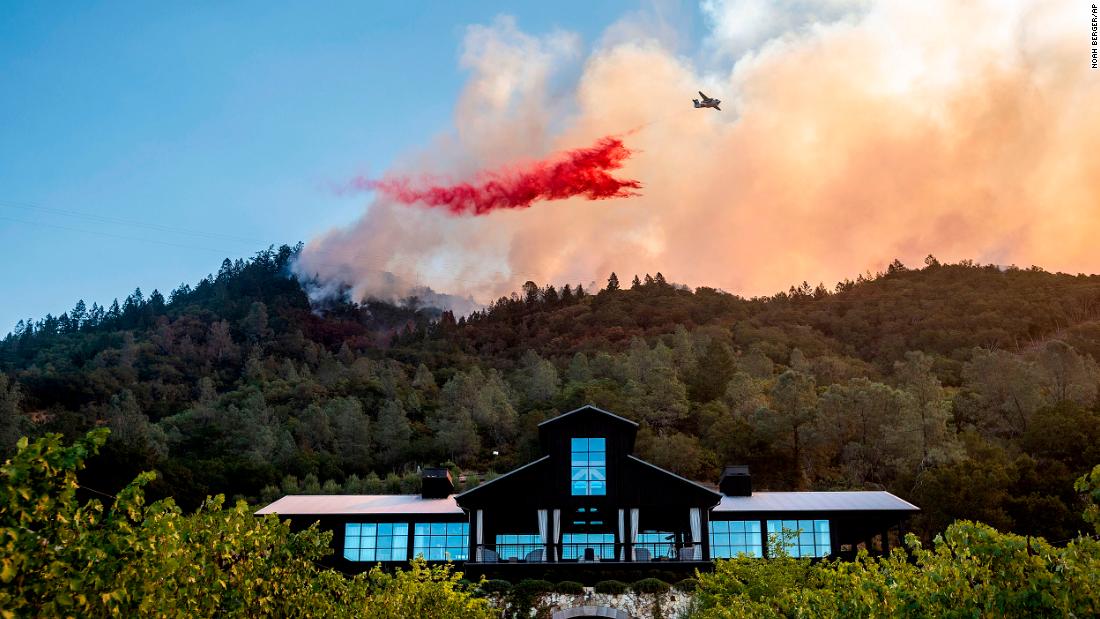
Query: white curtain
696	533
544	535
480	534
633	532
622	536
557	532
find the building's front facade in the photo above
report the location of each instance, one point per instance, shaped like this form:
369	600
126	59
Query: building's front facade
589	505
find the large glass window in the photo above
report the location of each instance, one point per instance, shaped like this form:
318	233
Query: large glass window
441	541
383	541
517	546
802	538
589	466
729	538
602	545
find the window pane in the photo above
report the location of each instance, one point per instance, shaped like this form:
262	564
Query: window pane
454	528
597	488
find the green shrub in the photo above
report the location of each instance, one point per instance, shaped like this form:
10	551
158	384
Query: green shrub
688	585
569	586
496	586
650	585
613	587
531	586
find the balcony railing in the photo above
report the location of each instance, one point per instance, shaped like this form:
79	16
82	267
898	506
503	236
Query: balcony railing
585	553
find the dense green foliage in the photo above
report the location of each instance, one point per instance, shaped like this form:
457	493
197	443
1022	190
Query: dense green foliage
650	585
972	570
60	557
969	390
612	587
571	587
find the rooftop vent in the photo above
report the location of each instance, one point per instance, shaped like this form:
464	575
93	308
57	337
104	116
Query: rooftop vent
736	481
436	484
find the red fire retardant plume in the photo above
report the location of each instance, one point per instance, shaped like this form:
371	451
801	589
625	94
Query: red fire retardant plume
581	172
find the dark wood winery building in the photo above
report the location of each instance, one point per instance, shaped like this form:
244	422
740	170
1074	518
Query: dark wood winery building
589	508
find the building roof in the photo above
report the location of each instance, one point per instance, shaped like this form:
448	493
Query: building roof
584	409
477	490
815	501
331	504
698	487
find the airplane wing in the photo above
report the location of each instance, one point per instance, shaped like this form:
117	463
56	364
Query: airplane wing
718	108
702	95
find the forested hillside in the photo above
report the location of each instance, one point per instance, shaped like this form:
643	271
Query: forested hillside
970	390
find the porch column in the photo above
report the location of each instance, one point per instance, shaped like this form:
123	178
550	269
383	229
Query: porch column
706	536
479	534
622	534
634	532
557	532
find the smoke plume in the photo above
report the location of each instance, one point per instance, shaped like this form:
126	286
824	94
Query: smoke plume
848	137
582	172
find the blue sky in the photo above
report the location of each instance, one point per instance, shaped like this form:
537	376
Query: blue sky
144	142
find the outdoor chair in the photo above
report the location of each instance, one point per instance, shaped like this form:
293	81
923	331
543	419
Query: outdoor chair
641	554
536	556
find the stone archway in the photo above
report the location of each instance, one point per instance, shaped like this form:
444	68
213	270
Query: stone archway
591	611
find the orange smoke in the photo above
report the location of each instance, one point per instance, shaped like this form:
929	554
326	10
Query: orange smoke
896	129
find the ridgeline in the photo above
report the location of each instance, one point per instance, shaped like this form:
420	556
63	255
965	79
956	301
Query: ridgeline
970	390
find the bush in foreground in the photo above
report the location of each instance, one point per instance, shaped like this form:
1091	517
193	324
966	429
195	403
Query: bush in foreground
60	557
971	570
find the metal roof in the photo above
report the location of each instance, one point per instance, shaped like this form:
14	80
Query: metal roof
329	504
815	501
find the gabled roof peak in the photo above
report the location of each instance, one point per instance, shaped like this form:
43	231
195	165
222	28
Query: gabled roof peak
587	408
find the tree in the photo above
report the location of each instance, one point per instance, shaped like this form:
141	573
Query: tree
351	429
537	379
932	406
130	427
857	427
793	406
635	283
707	380
392	434
1008	389
1069	376
13	424
613	282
